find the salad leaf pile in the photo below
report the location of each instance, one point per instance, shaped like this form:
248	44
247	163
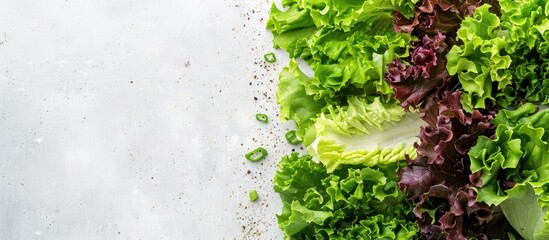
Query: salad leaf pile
346	204
513	169
422	119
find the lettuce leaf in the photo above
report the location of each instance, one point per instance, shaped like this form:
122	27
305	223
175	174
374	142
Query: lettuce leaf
348	45
479	62
523	211
295	104
432	16
424	72
503	59
364	133
351	203
343	62
438	180
421	74
514	168
336	14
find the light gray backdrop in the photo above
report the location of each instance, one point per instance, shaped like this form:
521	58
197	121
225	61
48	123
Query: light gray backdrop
129	119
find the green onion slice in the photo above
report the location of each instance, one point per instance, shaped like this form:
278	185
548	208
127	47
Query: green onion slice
270	57
253	196
262	117
292	138
256	155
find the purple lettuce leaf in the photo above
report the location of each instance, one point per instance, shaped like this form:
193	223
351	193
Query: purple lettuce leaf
424	75
424	72
443	16
438	180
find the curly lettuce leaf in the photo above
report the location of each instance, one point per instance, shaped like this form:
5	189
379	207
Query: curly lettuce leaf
348	45
344	61
423	73
438	180
479	62
514	167
432	16
348	57
343	14
284	21
351	203
502	61
365	133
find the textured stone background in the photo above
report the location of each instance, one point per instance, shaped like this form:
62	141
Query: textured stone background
129	119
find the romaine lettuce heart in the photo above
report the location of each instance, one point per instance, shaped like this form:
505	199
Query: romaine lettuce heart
365	134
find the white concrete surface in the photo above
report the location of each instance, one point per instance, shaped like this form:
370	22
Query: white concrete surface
129	119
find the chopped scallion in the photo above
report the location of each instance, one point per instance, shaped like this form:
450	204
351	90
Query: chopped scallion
253	196
270	57
262	117
256	155
292	138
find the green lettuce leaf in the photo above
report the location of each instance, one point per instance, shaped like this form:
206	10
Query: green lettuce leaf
295	104
513	163
479	62
338	14
344	62
346	43
351	203
524	213
363	133
503	60
293	18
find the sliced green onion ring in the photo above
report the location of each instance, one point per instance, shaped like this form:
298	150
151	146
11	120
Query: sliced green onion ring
256	155
253	196
292	138
270	57
262	117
